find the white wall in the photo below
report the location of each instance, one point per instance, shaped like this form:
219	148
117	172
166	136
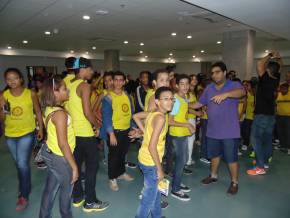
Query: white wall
128	67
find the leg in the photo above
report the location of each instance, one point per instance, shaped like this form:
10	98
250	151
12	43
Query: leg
24	151
123	142
79	154
91	161
191	140
214	152
113	161
149	199
168	155
257	139
65	189
50	188
230	147
180	150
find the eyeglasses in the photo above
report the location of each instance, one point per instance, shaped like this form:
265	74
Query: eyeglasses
168	99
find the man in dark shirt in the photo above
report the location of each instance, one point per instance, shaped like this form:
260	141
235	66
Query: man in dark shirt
141	90
264	119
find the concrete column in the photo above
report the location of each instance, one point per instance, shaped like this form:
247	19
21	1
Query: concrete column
111	60
238	52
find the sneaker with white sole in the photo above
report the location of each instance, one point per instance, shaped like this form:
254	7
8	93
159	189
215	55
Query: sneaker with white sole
126	177
180	195
95	206
113	185
256	171
244	147
204	160
184	188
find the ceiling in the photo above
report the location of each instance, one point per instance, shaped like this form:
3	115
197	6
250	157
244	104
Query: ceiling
147	21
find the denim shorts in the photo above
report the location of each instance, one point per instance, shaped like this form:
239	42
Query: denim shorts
224	148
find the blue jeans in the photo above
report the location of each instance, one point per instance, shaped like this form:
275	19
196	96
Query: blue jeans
261	138
150	202
59	177
180	145
21	149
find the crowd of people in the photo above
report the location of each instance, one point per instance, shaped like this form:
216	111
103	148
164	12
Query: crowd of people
68	119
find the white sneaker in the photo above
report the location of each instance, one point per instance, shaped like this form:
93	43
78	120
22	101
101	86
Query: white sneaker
204	160
126	177
113	185
244	147
191	162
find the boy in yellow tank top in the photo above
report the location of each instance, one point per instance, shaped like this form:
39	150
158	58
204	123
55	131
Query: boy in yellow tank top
283	116
117	115
58	150
179	130
152	151
249	114
85	129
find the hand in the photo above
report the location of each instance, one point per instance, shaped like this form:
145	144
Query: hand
219	98
75	175
199	113
97	132
113	140
135	133
191	128
39	134
160	175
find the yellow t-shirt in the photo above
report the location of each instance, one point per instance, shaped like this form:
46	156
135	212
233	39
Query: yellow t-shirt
82	127
192	99
150	92
250	106
181	117
21	119
144	155
283	104
51	140
122	113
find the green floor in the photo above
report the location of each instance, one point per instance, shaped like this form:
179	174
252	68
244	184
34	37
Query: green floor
265	196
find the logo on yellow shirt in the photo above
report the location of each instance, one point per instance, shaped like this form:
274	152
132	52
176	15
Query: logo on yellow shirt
125	108
17	111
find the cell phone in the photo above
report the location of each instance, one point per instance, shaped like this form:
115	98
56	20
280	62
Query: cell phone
6	108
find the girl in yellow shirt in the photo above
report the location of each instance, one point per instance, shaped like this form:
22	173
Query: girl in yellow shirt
58	151
18	106
152	151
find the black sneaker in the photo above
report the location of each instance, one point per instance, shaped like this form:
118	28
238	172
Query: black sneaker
187	171
164	204
184	188
180	195
41	165
95	206
233	189
131	165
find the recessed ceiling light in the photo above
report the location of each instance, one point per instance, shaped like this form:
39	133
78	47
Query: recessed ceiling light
170	54
189	36
141	52
47	32
266	51
146	56
202	51
126	42
9	47
218	42
86	17
193	56
72	51
94	47
173	34
102	12
141	43
24	41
